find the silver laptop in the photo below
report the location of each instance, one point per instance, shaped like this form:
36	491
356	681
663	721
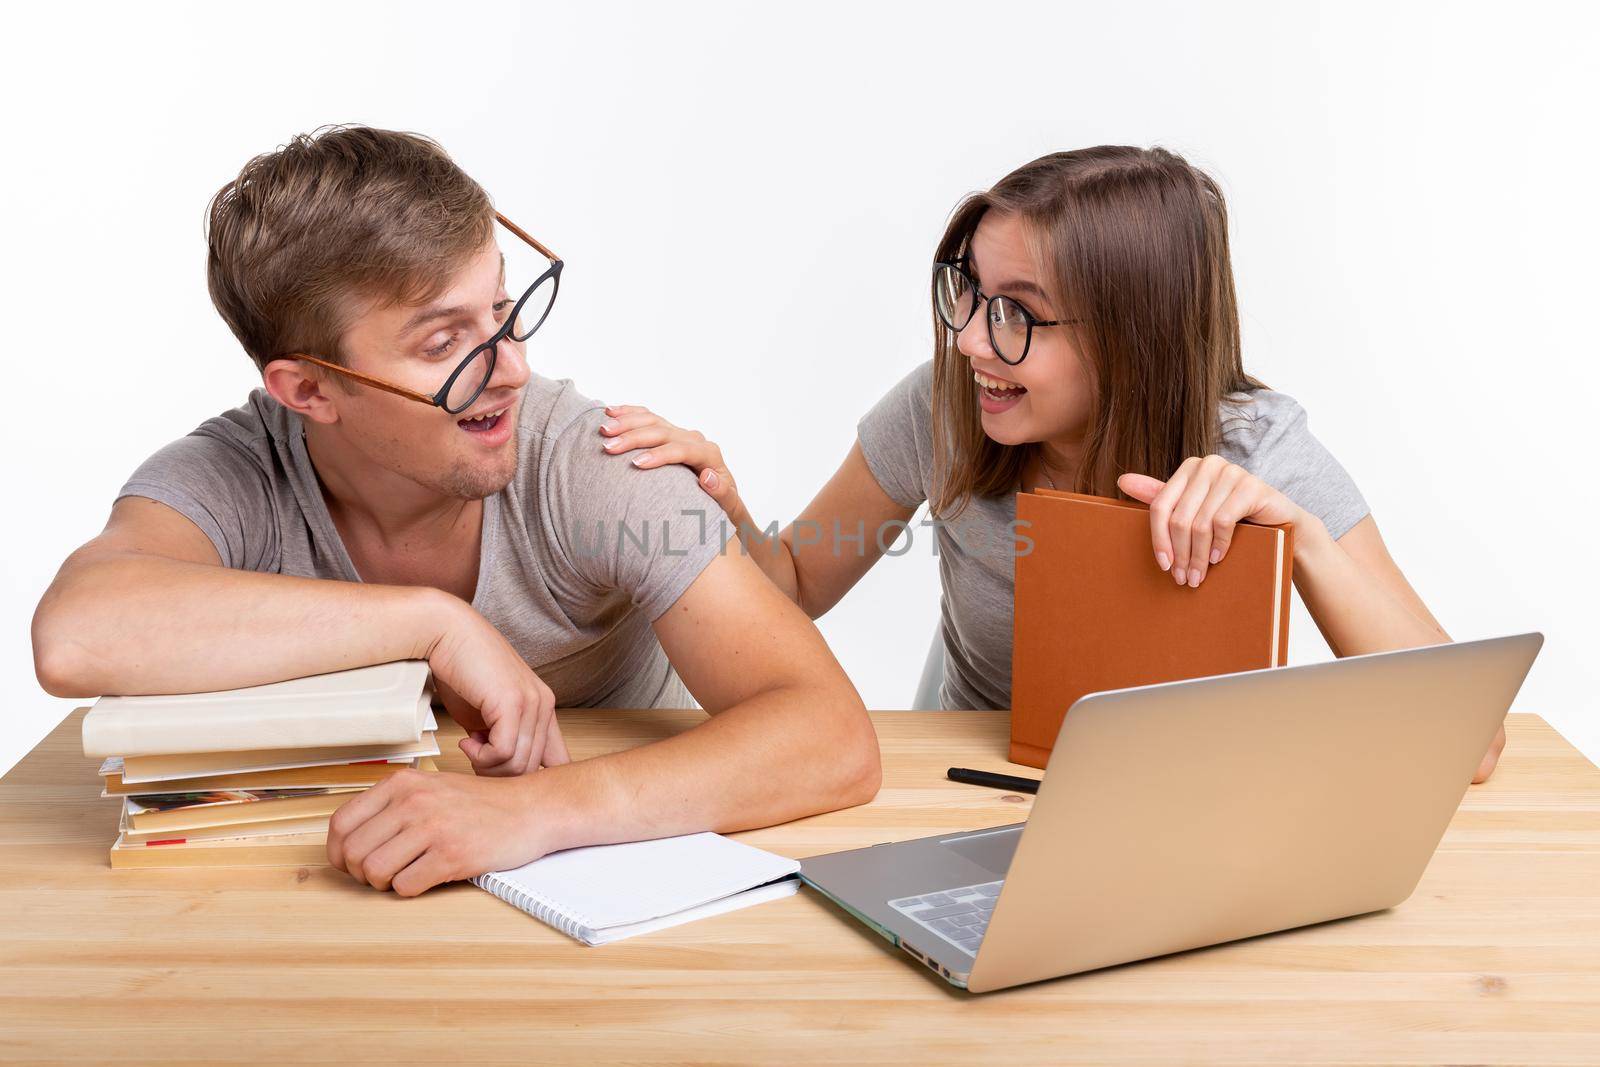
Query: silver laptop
1187	814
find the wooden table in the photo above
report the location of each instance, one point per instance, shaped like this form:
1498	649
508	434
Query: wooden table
1494	959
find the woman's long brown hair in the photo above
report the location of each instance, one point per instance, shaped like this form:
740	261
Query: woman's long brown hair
1133	242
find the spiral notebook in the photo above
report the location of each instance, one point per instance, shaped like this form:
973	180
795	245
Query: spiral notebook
604	893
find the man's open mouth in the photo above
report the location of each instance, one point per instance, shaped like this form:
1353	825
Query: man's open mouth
482	423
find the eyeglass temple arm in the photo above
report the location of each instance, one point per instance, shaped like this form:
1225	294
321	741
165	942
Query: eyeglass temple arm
526	236
376	383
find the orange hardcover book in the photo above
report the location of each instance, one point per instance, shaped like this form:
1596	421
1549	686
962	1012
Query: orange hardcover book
1094	612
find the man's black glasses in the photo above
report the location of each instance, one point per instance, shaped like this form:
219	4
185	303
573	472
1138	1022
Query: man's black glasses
467	381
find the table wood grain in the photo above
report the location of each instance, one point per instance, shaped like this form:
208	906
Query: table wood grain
1494	959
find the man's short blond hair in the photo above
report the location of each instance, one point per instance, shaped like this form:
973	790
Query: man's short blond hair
305	235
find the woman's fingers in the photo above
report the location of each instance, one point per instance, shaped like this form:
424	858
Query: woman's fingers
717	481
1192	543
1194	513
633	420
1181	522
1167	552
1202	539
696	455
1141	487
1240	505
658	443
640	437
688	447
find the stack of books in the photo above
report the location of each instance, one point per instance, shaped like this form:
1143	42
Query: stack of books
250	777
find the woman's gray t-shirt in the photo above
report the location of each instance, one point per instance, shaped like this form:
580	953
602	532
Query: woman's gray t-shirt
1267	436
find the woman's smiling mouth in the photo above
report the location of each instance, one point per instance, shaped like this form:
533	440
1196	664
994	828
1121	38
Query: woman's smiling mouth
996	394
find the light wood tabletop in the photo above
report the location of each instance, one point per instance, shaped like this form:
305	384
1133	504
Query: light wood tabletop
1494	959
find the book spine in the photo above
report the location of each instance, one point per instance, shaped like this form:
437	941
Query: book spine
532	904
1288	587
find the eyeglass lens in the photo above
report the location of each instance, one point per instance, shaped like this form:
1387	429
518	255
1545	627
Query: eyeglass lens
955	299
465	386
530	313
1008	328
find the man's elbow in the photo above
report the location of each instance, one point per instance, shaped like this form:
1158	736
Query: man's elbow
859	764
868	778
58	661
58	669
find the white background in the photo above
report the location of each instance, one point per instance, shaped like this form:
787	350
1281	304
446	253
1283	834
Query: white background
748	201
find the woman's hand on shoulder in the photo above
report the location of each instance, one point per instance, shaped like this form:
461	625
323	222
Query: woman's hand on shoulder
1193	513
631	428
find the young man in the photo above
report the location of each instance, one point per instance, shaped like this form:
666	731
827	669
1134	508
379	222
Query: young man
403	487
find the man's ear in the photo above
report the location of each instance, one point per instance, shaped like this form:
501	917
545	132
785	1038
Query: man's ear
298	386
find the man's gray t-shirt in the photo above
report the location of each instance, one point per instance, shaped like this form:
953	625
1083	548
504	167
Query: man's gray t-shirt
579	553
1267	436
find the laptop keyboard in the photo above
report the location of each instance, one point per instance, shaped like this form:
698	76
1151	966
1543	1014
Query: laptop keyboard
960	916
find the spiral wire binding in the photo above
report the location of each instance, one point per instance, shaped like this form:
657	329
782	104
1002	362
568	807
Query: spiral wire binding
574	926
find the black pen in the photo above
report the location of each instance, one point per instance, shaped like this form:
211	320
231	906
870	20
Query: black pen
993	780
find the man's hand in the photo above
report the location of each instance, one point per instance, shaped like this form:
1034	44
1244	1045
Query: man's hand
477	666
417	829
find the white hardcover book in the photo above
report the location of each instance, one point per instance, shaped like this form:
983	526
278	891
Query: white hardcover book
385	704
604	893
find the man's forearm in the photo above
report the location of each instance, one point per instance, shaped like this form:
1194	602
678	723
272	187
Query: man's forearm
130	623
779	756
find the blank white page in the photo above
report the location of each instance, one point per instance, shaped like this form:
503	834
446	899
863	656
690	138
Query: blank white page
586	891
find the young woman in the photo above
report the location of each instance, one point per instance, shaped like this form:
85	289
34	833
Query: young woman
1087	338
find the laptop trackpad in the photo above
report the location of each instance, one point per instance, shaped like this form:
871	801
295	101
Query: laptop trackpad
990	849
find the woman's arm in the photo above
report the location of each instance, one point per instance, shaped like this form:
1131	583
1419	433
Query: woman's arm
1362	602
847	528
1355	592
816	559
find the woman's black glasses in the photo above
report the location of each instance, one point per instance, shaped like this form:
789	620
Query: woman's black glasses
956	298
